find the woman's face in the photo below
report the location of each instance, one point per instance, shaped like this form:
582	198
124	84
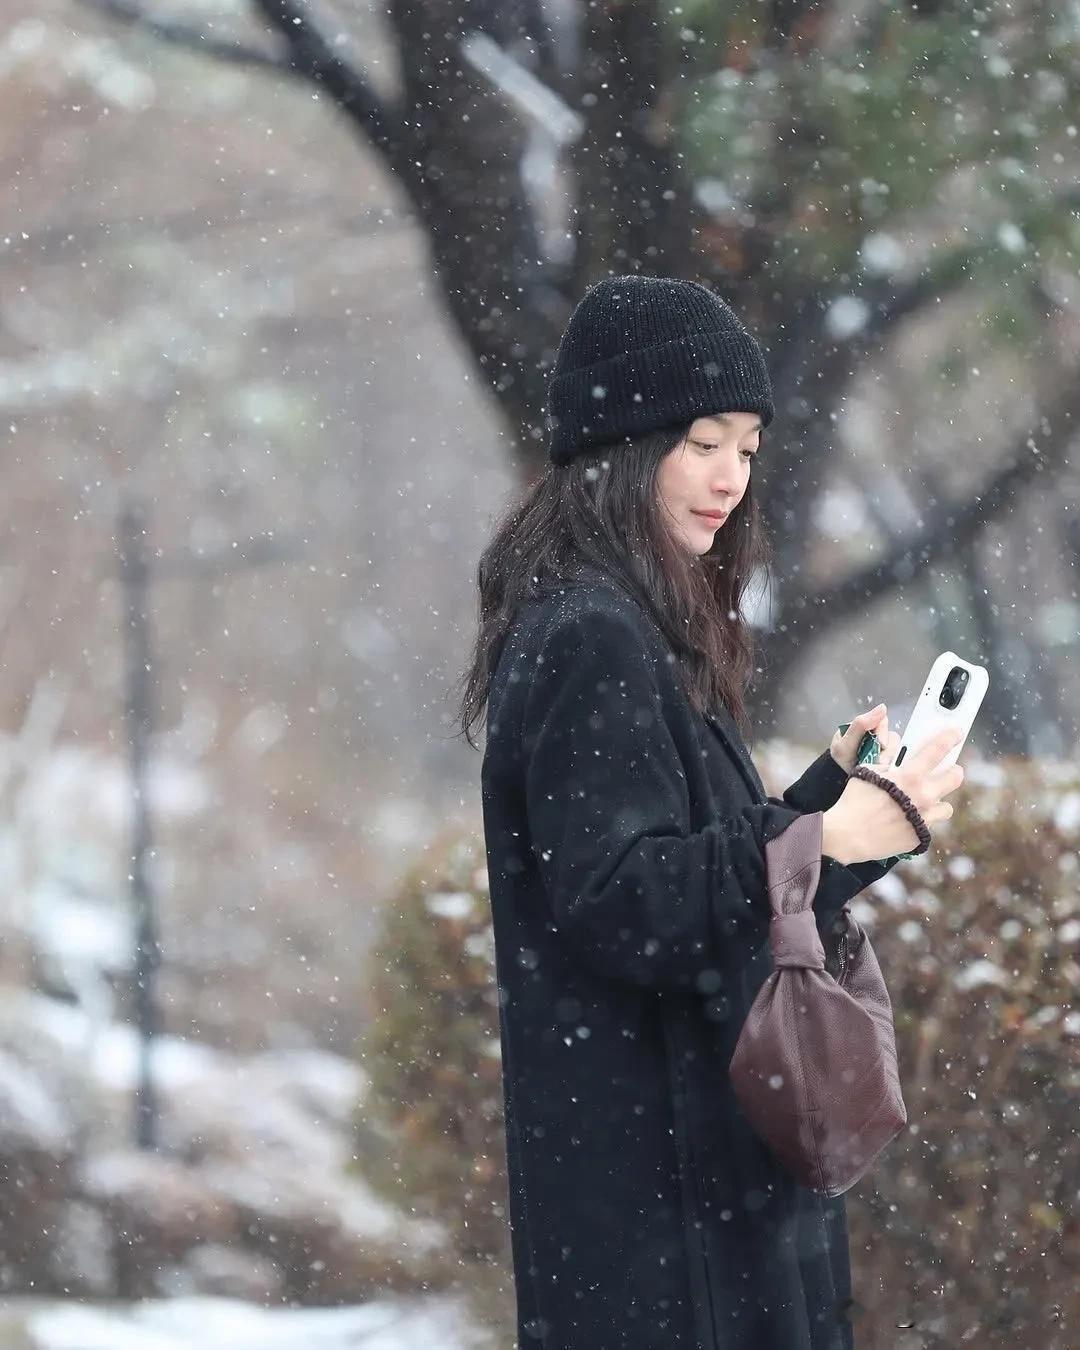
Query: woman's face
708	472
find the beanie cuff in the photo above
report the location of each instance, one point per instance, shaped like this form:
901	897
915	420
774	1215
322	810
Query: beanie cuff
672	383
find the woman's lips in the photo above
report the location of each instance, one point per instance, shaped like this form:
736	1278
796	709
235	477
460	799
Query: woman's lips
714	517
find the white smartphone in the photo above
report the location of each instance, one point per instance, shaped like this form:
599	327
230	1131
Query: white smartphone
951	697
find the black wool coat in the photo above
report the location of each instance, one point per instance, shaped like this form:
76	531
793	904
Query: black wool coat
625	837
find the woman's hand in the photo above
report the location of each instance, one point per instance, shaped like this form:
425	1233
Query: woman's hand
844	748
866	825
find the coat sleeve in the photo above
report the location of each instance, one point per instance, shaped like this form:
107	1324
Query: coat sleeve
640	896
818	788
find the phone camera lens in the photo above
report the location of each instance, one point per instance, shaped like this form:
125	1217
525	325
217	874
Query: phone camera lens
953	690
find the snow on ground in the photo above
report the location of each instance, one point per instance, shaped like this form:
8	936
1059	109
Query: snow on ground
111	1049
229	1324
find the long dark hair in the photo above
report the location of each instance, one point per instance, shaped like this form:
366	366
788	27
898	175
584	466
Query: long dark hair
603	509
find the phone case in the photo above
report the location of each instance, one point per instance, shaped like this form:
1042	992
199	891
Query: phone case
928	717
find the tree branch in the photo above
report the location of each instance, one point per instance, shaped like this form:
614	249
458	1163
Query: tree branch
190	37
889	304
947	529
311	56
812	353
458	160
308	56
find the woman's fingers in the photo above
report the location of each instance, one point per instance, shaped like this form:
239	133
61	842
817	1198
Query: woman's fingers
944	780
932	784
939	811
889	749
932	751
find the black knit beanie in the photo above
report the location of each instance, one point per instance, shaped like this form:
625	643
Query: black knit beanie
642	353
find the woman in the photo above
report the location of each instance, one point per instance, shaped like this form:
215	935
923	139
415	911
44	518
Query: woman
625	826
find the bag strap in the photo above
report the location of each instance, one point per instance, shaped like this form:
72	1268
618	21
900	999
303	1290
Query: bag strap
793	870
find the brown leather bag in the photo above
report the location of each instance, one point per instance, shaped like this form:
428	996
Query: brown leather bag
815	1068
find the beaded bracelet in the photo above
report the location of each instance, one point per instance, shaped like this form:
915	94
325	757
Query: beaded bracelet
902	800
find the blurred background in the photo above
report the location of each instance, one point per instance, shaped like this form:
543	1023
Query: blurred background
279	285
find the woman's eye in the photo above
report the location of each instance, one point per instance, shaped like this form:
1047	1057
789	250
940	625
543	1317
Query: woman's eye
713	445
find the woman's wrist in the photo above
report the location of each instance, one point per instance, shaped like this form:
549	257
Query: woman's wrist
914	816
833	838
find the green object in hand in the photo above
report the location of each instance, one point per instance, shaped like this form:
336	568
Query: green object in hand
869	752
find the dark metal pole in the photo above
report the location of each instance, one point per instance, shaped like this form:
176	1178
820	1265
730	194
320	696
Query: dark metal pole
134	580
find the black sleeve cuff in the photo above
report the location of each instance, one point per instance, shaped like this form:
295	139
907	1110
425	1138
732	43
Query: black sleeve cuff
819	787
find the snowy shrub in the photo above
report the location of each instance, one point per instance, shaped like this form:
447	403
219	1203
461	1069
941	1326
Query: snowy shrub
967	1230
432	1056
